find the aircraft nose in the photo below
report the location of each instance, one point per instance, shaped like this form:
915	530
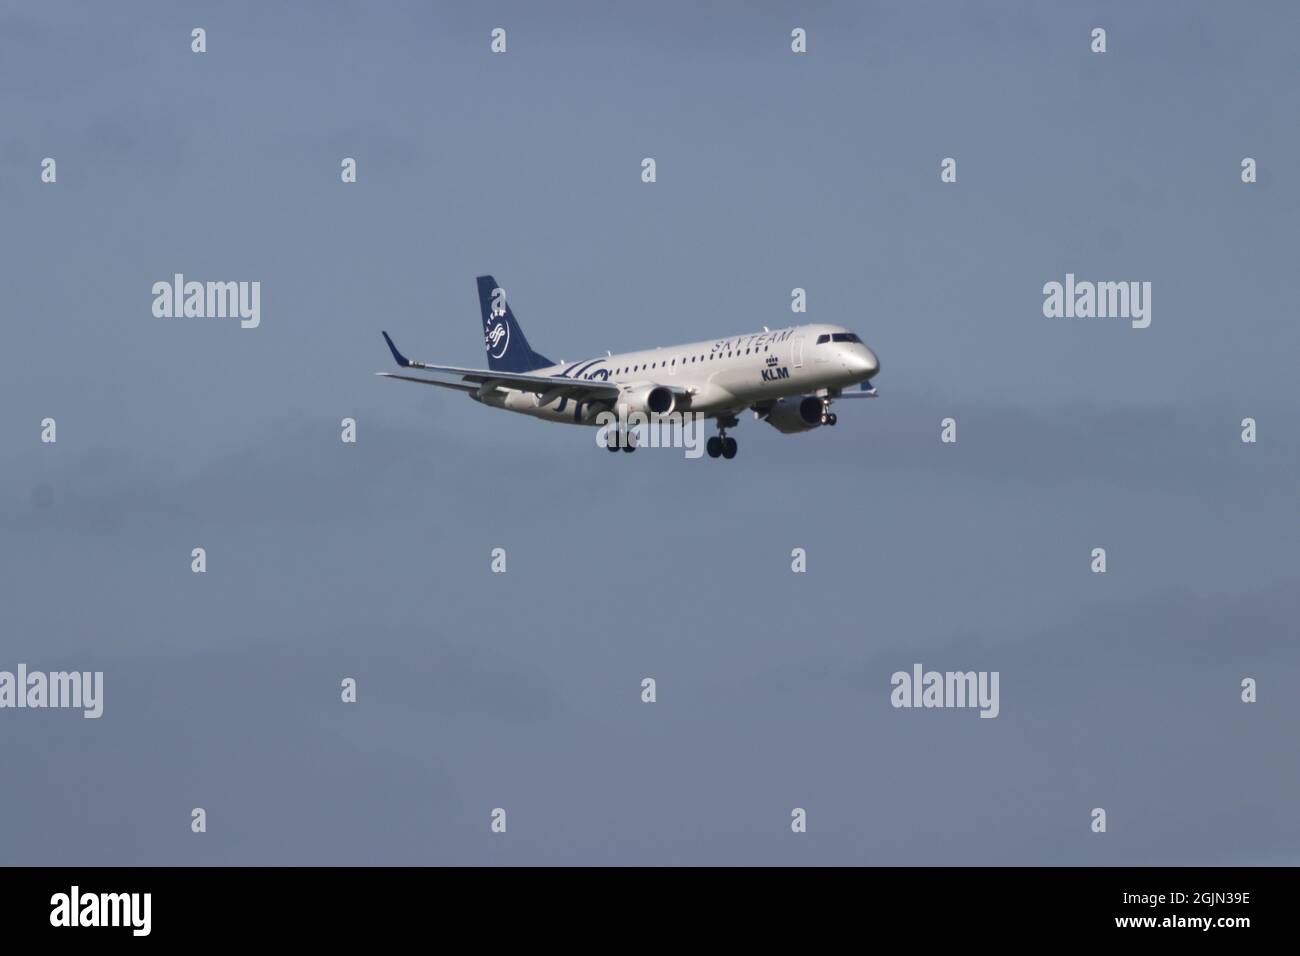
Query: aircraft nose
867	363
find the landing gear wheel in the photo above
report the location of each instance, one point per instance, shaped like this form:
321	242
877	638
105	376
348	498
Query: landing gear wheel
611	441
720	446
828	417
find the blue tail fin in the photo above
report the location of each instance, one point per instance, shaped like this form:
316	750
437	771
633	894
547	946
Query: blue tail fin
507	349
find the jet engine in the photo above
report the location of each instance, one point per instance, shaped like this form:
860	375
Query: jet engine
797	413
651	399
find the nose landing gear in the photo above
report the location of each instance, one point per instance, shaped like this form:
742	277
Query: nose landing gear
828	416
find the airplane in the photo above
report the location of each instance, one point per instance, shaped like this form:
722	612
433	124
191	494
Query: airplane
787	377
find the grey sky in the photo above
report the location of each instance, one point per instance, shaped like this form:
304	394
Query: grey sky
522	691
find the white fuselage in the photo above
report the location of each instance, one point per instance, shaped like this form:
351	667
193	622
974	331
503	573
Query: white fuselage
721	377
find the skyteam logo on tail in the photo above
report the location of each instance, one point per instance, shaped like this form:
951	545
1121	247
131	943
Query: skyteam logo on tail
497	338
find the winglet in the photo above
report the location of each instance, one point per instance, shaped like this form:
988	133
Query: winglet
398	356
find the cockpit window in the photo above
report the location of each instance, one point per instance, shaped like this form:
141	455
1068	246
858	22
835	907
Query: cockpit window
844	337
822	339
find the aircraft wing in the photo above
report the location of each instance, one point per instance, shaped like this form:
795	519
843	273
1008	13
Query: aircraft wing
549	386
428	381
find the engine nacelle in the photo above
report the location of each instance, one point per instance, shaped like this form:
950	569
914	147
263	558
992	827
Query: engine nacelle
650	400
798	413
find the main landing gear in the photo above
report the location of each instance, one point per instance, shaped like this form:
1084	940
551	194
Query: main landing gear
626	440
828	416
721	445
